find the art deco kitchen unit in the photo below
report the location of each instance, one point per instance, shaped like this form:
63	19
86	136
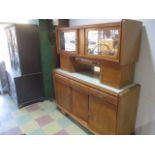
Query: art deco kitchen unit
95	85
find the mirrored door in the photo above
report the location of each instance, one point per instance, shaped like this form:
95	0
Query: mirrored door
68	41
103	42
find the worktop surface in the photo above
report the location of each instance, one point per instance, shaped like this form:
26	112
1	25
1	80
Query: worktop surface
94	81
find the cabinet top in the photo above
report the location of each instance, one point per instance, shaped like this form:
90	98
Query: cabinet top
93	81
116	41
108	24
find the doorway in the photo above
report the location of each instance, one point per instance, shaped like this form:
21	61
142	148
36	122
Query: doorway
4	60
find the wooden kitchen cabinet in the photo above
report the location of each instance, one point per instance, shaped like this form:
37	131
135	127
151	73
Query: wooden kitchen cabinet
99	108
67	41
116	41
94	85
103	42
114	46
102	113
63	92
80	100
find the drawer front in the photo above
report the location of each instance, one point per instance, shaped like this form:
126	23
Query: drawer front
62	79
79	87
104	96
63	92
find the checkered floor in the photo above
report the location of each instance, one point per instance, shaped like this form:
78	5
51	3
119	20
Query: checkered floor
42	118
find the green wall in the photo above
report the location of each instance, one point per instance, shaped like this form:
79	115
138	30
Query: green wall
47	56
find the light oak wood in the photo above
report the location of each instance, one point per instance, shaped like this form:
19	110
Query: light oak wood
67	63
130	36
79	100
111	24
130	41
98	108
77	119
85	83
104	96
81	42
103	57
115	75
95	109
122	71
127	110
59	49
63	92
83	123
102	114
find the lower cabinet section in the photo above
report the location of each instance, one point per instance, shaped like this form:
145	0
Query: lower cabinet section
26	89
102	114
63	92
80	100
95	109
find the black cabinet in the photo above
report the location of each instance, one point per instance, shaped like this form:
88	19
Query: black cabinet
25	77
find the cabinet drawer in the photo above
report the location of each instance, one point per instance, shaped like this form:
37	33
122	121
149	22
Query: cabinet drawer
62	79
104	96
79	87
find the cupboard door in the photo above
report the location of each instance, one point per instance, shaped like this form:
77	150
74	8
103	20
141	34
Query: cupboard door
80	100
63	92
103	42
68	41
13	50
102	113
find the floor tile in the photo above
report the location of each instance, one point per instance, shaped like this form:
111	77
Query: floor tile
42	118
29	127
64	122
36	132
32	107
75	130
52	128
37	114
62	132
57	115
23	119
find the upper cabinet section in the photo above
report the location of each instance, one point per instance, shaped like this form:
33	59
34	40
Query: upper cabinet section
103	42
116	42
67	41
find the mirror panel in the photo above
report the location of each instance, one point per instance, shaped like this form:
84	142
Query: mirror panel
68	41
103	42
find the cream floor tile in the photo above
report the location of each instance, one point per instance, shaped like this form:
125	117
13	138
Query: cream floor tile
51	128
56	115
37	114
75	130
29	127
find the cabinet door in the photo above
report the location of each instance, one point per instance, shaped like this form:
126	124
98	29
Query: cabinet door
102	112
80	100
13	50
68	41
63	92
103	42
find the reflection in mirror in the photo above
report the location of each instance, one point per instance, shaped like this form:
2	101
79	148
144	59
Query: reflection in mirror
103	42
68	41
